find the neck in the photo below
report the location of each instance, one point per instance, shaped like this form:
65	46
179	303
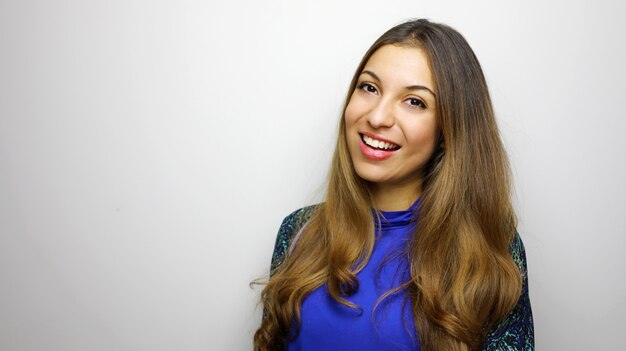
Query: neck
395	197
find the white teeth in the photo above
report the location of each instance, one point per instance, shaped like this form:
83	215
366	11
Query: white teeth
378	143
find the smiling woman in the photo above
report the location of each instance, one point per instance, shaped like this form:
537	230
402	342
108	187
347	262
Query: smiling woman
415	246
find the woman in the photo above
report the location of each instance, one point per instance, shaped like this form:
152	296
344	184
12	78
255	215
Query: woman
416	244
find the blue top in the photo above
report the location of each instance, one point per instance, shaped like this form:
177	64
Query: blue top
515	332
328	325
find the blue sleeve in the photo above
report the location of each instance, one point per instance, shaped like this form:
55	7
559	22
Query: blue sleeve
516	331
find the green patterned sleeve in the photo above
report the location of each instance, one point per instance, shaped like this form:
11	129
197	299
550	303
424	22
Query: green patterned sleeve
290	226
516	331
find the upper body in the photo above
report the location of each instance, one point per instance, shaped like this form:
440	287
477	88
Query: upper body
348	330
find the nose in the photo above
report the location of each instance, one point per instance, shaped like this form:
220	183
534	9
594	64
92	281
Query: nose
381	115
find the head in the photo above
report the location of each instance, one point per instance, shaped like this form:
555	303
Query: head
447	109
390	124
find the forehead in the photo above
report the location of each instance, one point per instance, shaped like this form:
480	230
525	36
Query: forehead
401	65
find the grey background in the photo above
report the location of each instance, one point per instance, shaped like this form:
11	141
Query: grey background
150	149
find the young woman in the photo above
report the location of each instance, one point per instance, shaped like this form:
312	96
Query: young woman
415	246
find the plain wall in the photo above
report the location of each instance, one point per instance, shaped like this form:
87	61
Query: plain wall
150	149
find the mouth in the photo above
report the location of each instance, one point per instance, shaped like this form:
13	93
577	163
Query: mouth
377	144
376	149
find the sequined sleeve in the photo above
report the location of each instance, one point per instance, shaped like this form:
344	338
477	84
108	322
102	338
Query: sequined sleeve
516	331
288	230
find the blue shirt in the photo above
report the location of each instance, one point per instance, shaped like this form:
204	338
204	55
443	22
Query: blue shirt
328	325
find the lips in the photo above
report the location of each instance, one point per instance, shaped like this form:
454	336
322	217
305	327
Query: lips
376	143
376	148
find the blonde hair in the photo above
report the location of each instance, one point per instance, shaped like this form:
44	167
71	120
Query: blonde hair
463	278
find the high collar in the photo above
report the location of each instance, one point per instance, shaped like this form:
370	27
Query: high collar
389	219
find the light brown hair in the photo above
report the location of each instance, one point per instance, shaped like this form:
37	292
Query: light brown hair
463	278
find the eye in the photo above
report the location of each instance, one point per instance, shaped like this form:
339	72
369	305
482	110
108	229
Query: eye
368	88
416	102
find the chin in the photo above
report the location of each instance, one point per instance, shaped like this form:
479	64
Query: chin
371	176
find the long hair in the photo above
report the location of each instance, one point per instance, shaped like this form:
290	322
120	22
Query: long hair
463	278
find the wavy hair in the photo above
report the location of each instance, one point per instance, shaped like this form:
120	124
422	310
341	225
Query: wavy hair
463	278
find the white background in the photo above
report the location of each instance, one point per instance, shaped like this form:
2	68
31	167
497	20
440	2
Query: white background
150	149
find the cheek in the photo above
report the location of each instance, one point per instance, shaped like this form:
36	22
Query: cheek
424	138
349	126
350	114
358	107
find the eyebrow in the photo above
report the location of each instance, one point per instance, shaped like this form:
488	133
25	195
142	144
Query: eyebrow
410	87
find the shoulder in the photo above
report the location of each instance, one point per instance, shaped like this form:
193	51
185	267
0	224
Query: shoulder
518	252
290	226
516	331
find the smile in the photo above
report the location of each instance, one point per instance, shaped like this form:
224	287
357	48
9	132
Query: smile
377	150
378	144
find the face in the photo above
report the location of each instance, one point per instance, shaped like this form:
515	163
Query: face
391	128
